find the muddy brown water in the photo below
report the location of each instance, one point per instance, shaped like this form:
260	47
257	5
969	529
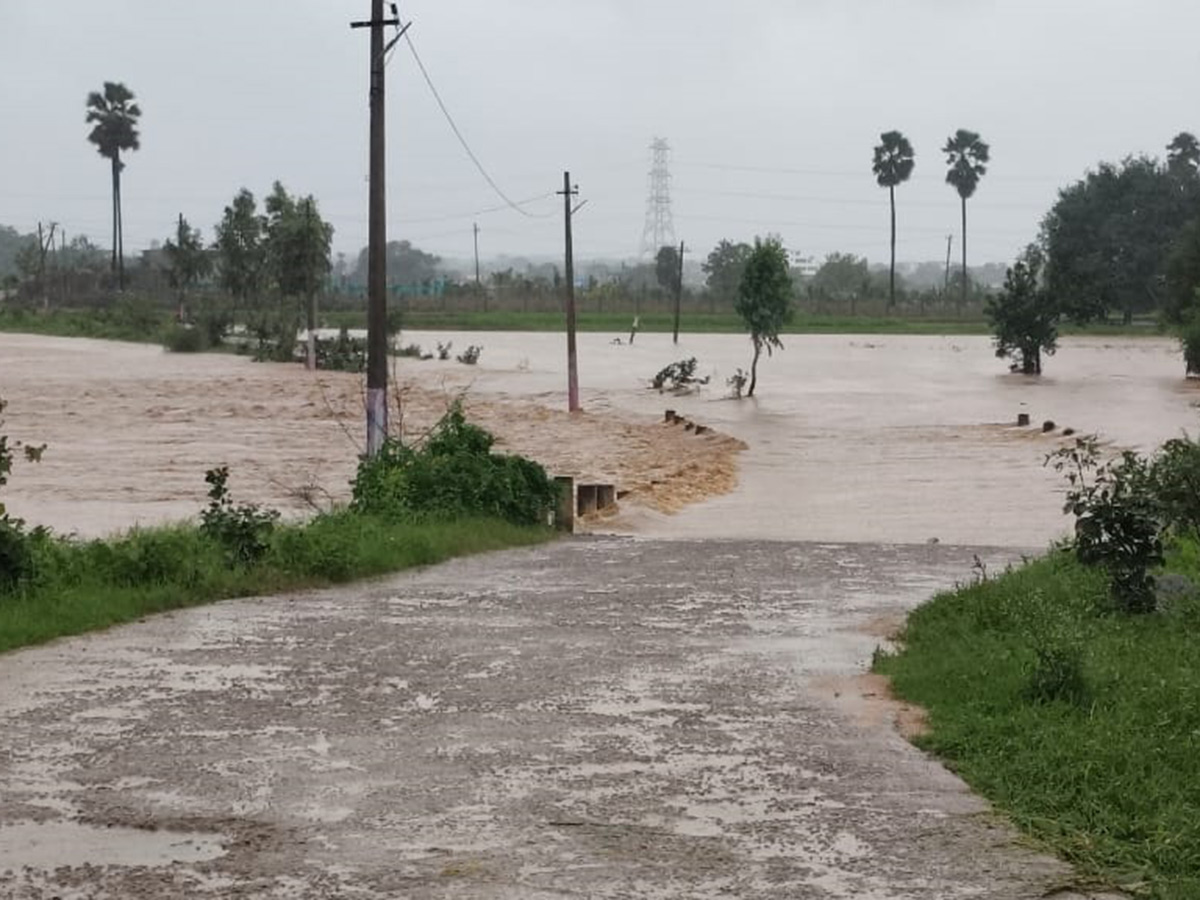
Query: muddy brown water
852	438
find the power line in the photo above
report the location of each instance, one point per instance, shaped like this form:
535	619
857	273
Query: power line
463	141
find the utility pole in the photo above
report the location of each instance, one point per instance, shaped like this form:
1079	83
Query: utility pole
377	342
946	281
572	364
678	291
478	285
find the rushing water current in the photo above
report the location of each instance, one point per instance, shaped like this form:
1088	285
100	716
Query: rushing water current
851	438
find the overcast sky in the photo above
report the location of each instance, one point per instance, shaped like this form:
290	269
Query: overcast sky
771	109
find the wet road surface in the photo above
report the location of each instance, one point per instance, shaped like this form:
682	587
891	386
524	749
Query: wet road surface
600	717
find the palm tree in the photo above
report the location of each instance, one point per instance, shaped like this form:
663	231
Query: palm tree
115	116
893	165
966	155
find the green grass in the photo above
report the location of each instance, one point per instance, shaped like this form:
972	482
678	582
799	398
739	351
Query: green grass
136	320
82	586
708	323
128	320
1110	779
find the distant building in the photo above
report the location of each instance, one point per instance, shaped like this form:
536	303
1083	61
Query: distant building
805	266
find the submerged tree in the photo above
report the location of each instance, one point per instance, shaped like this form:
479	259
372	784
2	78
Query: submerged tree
115	118
1023	317
966	156
764	299
893	166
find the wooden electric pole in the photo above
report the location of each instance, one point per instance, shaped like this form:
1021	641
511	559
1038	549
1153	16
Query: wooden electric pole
678	291
946	280
572	364
377	342
476	230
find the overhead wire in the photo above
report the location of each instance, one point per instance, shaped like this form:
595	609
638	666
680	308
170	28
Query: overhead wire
508	201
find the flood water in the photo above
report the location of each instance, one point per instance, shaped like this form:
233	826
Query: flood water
851	438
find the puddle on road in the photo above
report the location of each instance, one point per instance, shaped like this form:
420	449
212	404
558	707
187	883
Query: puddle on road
47	845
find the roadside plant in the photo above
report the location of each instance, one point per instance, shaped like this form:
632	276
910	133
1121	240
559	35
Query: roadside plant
244	531
452	474
16	541
1118	525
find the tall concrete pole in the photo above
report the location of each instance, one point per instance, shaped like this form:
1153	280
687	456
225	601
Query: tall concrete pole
572	363
377	342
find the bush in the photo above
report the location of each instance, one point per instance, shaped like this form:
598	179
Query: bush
680	375
182	339
1118	525
470	356
1189	340
1175	481
443	351
453	475
343	353
243	531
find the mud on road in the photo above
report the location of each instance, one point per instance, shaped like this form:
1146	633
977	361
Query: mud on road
602	718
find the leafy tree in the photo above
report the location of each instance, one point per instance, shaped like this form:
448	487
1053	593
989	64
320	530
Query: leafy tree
893	166
966	157
1108	236
187	260
1183	155
405	264
240	245
298	251
666	269
1183	274
764	299
115	118
724	267
844	278
1023	318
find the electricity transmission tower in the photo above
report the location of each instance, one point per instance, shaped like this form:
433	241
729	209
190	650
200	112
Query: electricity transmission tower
659	230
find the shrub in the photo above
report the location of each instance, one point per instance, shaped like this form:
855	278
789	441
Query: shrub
1175	481
470	356
412	351
243	531
737	383
182	339
343	353
679	374
1189	340
1117	519
453	474
443	351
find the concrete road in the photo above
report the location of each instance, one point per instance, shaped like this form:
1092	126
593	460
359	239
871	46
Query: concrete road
600	718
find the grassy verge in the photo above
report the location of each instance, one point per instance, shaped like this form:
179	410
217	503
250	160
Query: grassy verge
710	323
1108	776
83	586
123	322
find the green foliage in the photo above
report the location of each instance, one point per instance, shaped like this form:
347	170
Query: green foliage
452	475
764	299
1081	727
724	267
1183	277
343	353
182	339
243	531
666	269
298	243
470	356
411	351
679	374
240	247
17	543
187	260
1118	521
1189	341
1174	482
1108	238
1183	156
1023	318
